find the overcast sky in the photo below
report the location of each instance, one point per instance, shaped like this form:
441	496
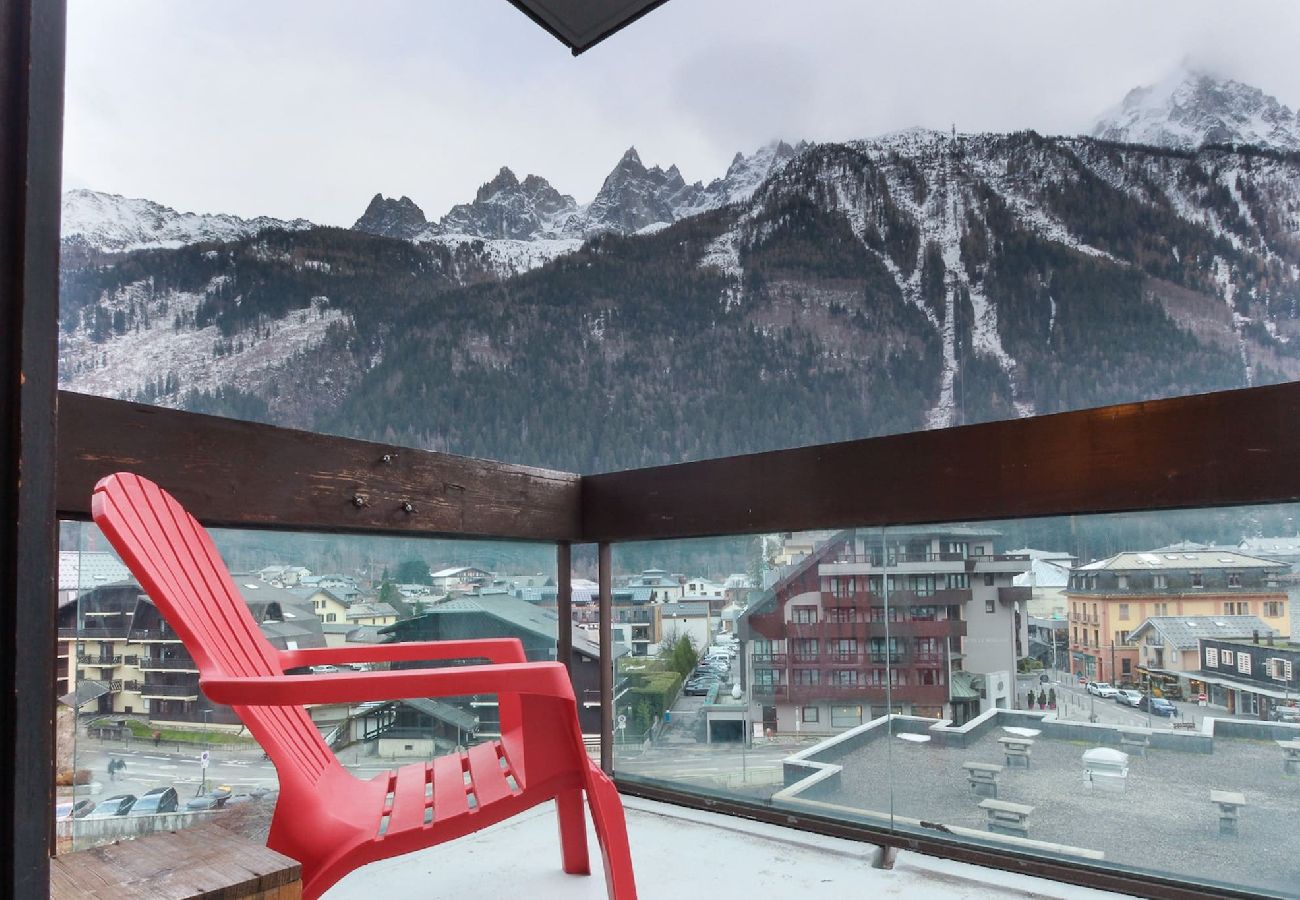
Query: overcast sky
272	107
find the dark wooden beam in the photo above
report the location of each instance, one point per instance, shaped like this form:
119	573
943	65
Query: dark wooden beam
581	24
31	120
1221	449
247	475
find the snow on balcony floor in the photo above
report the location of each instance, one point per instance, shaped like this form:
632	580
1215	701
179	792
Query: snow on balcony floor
681	853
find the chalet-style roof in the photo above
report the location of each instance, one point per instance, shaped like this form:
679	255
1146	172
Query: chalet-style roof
83	570
1153	561
1182	632
685	609
518	613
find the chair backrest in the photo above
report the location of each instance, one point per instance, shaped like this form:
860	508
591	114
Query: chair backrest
179	568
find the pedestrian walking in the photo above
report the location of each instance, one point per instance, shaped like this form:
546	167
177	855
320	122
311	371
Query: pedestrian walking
157	737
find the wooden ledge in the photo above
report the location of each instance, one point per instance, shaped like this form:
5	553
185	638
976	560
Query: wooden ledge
206	861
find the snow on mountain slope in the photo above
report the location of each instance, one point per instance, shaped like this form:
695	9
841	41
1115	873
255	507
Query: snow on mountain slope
113	223
156	351
1191	108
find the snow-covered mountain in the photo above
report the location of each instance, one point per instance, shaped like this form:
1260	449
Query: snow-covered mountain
112	223
634	197
1191	108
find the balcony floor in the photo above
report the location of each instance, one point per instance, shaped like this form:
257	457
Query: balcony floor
682	853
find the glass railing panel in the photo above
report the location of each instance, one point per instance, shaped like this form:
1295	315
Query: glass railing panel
1049	687
133	718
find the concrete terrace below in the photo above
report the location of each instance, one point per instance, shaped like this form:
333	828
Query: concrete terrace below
1163	822
681	853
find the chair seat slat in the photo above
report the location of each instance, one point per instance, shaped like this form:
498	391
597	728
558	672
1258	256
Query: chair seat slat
449	799
487	778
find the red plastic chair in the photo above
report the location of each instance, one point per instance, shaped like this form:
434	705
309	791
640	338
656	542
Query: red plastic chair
326	818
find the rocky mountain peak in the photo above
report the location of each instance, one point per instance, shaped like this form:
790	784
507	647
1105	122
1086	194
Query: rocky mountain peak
505	180
392	217
1192	107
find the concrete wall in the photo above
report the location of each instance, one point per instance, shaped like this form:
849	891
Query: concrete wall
990	644
101	831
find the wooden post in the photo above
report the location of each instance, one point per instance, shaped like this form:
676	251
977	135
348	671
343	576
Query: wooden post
32	36
606	612
564	605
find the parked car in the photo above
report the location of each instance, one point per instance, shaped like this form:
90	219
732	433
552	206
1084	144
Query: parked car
1287	714
323	670
1128	697
117	805
1157	706
70	810
158	800
697	688
1102	689
213	799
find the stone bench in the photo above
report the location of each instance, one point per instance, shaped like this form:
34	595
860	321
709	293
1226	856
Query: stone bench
1133	743
1007	818
1017	750
983	777
1230	804
1291	756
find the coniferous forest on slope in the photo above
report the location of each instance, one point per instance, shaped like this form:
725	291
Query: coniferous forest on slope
834	324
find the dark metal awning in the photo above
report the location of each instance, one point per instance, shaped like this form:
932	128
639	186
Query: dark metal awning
581	24
86	691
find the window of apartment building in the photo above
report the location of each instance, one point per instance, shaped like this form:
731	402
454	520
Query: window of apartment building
880	614
809	714
990	605
1162	609
840	587
846	716
979	550
841	614
874	584
988	579
1126	667
1211	657
959	581
1123	612
929	647
1198	580
955	549
1278	669
1096	637
803	615
330	617
929	676
1225	658
844	677
1121	582
804	646
921	585
924	613
879	648
807	676
1159	582
1273	609
1243	663
1076	634
1094	612
1234	579
844	646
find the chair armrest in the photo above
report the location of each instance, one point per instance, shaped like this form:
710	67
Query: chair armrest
498	650
544	678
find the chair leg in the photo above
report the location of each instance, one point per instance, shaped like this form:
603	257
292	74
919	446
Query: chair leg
573	832
611	830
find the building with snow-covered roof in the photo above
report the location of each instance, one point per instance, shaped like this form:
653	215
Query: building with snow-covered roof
1047	578
1109	598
